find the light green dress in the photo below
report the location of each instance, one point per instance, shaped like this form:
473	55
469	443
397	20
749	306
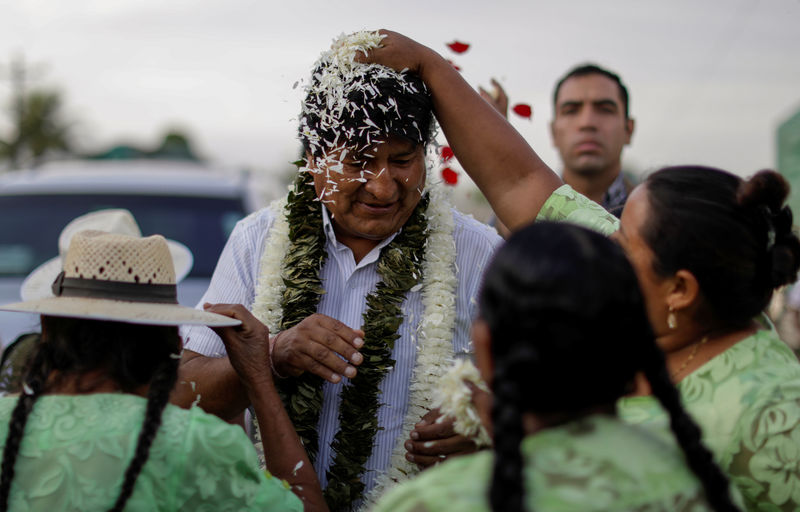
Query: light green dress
76	449
746	400
597	463
566	205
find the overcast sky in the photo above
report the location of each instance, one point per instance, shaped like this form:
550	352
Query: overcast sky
709	81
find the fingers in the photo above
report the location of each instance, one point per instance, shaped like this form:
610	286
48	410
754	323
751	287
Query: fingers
498	88
426	453
397	52
250	324
335	336
433	427
320	345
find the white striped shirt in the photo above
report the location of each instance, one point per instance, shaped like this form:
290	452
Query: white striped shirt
347	284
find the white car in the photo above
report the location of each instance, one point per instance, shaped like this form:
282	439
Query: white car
193	204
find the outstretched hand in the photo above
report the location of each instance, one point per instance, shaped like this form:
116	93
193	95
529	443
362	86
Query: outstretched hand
247	344
497	98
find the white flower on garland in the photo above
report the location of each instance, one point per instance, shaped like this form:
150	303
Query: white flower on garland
435	329
453	397
434	346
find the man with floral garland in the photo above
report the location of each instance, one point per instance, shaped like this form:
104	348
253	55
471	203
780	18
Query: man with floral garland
368	298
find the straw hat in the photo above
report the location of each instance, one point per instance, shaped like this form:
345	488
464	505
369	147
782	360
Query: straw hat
121	278
37	284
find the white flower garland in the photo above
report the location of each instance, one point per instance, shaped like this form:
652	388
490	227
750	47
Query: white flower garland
453	397
270	286
269	289
435	334
435	330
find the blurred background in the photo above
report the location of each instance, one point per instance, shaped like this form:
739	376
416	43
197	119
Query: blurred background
149	96
710	81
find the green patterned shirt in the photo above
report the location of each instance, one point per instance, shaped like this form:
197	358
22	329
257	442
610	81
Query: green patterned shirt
596	463
566	205
746	400
76	449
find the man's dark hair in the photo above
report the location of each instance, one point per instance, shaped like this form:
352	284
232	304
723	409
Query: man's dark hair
379	103
593	69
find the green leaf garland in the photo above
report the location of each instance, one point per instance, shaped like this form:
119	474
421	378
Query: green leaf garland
400	268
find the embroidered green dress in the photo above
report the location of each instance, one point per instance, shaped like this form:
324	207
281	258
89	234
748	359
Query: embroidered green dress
596	463
76	449
746	400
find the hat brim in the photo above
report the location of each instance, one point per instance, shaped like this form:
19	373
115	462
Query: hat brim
38	283
147	313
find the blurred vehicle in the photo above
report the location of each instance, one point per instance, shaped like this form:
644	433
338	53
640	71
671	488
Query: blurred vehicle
188	202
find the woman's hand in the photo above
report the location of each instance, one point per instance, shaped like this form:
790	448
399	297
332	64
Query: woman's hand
399	53
247	344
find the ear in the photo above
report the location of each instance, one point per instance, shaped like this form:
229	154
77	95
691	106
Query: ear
629	126
553	132
482	341
684	291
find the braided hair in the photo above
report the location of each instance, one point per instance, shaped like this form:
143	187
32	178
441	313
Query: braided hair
133	355
563	305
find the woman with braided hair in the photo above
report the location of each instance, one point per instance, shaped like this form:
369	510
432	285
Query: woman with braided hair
709	249
92	429
561	313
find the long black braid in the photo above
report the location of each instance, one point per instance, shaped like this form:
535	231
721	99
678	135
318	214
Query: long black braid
32	390
157	400
133	355
686	431
507	490
565	313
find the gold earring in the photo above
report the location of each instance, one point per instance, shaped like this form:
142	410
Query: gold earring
672	321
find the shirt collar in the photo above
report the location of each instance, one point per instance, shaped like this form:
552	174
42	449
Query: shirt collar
330	234
616	195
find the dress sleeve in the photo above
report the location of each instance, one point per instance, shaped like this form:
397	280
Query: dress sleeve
566	205
221	472
765	465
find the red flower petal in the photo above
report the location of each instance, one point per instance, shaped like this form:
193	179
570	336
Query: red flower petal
447	153
523	110
458	68
450	176
458	47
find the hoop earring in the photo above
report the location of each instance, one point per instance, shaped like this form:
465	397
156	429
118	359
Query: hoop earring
672	320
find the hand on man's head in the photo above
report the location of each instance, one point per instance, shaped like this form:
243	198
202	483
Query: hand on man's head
317	345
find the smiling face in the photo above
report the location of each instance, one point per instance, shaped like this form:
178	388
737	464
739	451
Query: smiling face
590	128
375	193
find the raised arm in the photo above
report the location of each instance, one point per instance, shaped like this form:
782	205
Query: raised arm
286	458
506	169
